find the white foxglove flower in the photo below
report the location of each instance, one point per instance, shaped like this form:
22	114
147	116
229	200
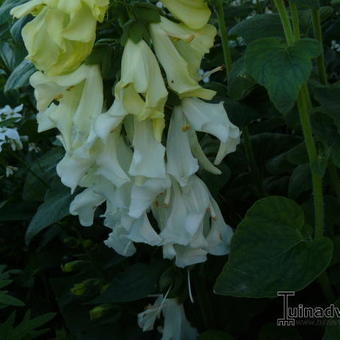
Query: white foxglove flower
80	97
141	88
194	13
148	157
191	224
176	326
143	195
212	119
126	230
180	162
85	204
180	51
107	160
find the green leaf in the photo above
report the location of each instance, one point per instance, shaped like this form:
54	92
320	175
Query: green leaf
135	283
328	97
258	27
6	7
281	69
55	208
300	181
20	76
215	335
239	83
270	252
10	300
41	174
307	3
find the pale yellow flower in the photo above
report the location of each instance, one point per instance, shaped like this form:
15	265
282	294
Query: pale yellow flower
194	13
62	34
180	51
141	88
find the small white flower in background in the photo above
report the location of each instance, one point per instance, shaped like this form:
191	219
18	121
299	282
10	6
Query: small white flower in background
335	46
7	113
176	326
33	147
10	170
10	136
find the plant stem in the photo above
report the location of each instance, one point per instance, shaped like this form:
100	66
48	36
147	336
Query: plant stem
224	36
295	19
304	108
318	35
285	21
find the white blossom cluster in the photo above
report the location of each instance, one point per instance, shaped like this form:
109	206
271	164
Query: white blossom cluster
10	135
122	157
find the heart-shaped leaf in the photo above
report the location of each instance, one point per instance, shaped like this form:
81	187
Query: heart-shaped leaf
271	252
281	69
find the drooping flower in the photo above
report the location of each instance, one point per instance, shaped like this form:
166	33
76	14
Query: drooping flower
62	33
176	326
194	13
212	119
191	224
180	51
141	90
71	103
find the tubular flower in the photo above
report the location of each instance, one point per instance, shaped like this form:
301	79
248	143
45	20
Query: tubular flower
141	88
212	119
180	51
62	33
176	325
194	13
80	100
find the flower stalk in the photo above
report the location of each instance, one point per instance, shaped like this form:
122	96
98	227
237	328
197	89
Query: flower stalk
224	36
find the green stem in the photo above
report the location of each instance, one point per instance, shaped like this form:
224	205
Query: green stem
318	35
224	36
324	80
304	108
295	19
252	161
287	28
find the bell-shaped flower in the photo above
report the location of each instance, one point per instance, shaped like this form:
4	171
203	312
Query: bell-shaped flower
128	230
181	217
180	162
62	33
148	157
191	223
180	51
79	100
141	87
143	195
84	206
176	326
212	119
194	13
